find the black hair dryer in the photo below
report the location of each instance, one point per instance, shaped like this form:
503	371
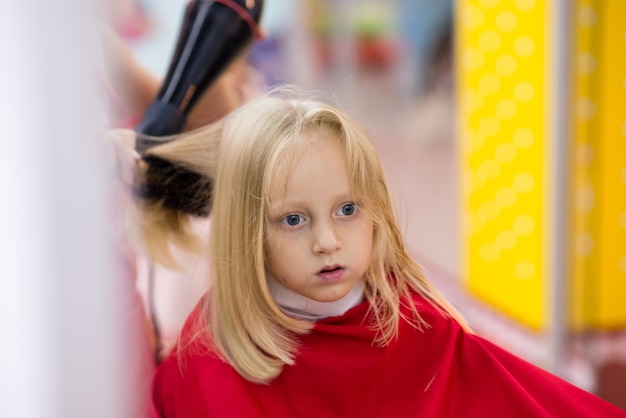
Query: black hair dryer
213	34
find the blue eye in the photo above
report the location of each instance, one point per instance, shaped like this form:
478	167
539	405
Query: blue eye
293	220
347	210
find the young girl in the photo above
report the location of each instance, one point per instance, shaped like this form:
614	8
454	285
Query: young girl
315	308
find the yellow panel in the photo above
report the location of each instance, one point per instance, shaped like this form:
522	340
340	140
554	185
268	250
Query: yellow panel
611	306
599	210
502	125
584	161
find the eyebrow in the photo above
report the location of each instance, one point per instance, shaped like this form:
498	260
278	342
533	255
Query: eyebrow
272	208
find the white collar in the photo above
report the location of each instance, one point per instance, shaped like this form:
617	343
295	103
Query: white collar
297	306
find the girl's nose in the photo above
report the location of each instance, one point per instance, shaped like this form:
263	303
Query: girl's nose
326	239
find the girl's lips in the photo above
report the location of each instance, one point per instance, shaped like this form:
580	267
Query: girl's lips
331	274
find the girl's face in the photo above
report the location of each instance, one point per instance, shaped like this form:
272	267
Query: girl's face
319	242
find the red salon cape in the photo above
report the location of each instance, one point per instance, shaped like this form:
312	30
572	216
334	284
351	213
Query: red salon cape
440	371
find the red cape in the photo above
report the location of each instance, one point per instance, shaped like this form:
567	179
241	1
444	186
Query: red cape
441	371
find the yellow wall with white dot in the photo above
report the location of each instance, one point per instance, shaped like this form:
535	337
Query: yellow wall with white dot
501	135
504	122
599	164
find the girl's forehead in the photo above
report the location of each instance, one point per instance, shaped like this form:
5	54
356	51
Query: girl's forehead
297	152
318	164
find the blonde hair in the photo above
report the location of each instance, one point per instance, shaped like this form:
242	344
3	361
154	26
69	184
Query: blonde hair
247	328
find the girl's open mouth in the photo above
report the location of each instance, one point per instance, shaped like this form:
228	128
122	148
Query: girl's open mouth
331	273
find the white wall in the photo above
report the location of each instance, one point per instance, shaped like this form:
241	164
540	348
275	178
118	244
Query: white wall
63	349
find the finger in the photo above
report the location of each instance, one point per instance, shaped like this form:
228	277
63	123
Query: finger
124	138
122	141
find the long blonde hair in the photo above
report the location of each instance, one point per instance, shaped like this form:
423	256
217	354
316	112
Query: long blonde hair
246	326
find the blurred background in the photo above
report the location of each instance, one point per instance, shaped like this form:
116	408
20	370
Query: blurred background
502	130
